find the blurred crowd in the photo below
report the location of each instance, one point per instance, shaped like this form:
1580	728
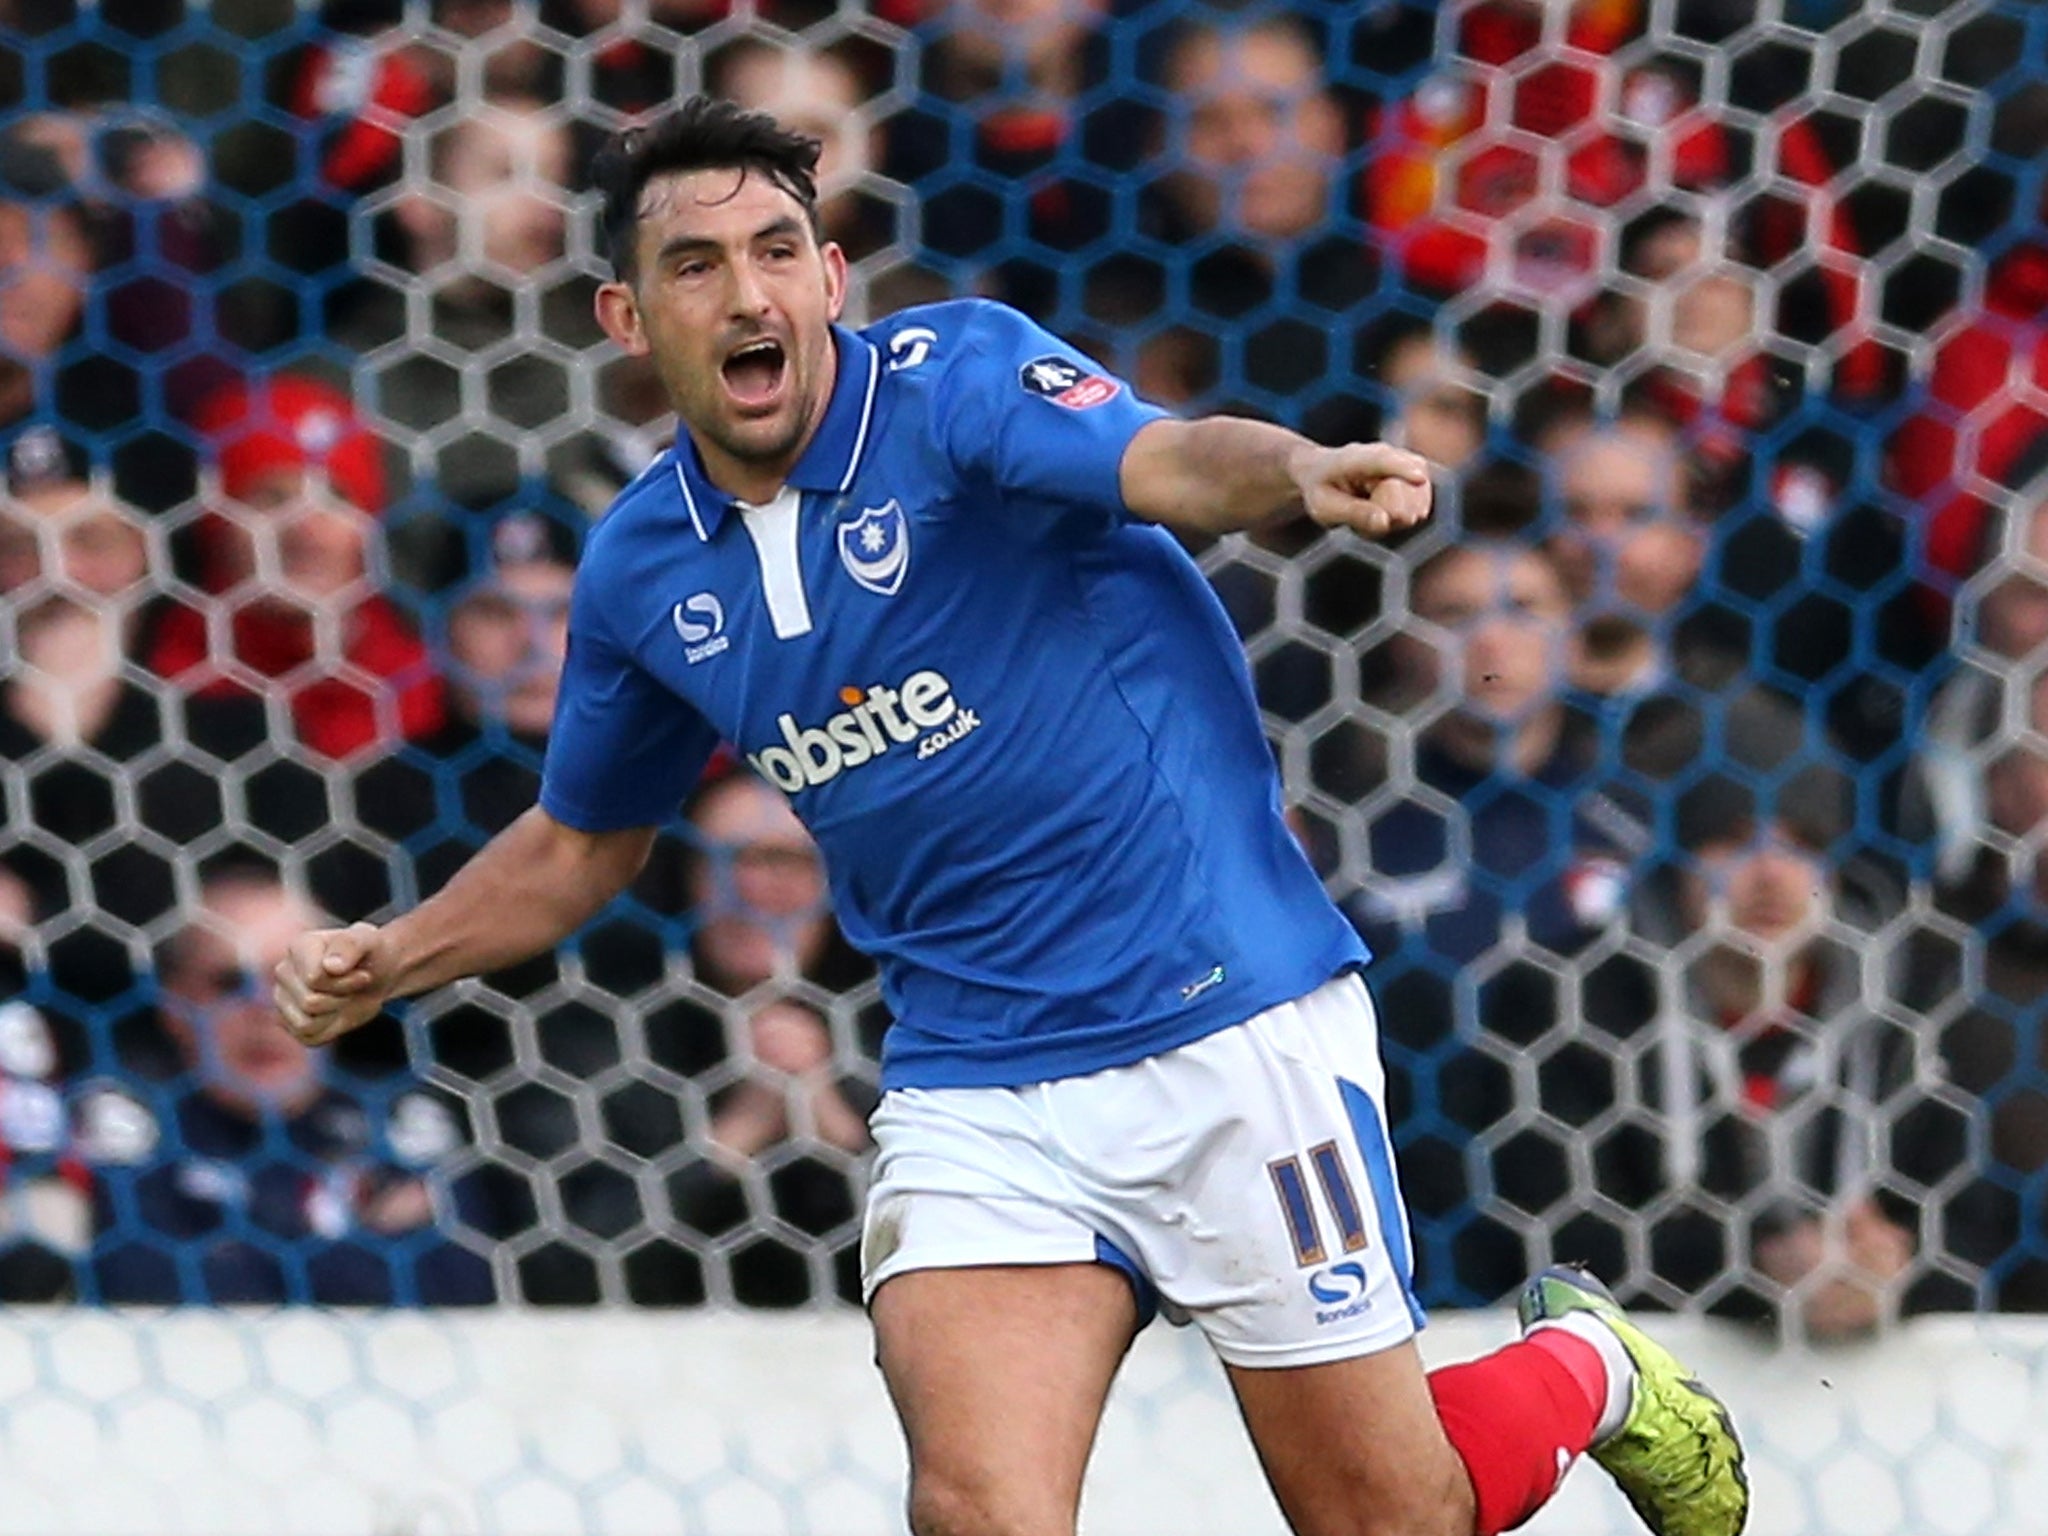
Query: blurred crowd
1688	775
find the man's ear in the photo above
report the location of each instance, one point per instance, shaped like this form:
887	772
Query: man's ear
835	278
618	312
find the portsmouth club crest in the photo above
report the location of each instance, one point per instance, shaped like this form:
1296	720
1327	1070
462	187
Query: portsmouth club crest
875	547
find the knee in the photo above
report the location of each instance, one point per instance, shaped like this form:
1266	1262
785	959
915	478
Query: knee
939	1507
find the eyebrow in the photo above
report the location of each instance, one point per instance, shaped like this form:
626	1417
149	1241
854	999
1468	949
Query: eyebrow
683	245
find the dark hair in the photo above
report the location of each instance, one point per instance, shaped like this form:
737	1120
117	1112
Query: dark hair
704	133
1228	24
1645	227
1494	542
1816	805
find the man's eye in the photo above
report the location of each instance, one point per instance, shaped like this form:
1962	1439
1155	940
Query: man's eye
782	252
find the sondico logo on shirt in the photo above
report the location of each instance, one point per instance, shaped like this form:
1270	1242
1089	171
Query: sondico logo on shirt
700	624
875	721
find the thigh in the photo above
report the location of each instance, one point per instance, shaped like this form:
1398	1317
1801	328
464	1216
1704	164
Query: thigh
1354	1447
999	1375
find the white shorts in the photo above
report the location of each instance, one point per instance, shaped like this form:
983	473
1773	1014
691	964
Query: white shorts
1244	1182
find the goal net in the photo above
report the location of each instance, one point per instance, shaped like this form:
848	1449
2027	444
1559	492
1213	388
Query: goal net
1688	774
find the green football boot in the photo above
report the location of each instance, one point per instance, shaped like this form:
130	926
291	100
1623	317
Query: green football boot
1676	1456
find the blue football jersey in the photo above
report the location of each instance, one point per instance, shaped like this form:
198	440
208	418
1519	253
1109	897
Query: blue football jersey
1014	717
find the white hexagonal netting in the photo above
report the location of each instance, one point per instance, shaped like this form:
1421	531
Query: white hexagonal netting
1688	774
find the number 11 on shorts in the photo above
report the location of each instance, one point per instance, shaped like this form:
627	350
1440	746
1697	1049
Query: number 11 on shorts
1303	1229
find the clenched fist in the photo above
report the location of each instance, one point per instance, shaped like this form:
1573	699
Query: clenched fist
333	980
1371	488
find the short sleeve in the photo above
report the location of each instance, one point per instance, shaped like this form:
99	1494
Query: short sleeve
1023	412
624	750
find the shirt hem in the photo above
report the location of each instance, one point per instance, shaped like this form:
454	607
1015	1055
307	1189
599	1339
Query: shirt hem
1053	1060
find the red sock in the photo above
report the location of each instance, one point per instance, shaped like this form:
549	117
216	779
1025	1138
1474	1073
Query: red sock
1517	1417
1581	1359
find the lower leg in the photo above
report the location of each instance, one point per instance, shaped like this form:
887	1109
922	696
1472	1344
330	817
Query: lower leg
1518	1418
1354	1447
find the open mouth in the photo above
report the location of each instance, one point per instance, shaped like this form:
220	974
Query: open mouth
754	373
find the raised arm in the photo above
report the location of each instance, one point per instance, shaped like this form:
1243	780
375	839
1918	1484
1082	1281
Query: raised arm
1220	474
526	890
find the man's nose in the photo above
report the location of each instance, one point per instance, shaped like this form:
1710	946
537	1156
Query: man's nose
1787	867
1495	637
749	293
1258	134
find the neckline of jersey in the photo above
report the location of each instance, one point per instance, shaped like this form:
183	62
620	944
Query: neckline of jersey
834	456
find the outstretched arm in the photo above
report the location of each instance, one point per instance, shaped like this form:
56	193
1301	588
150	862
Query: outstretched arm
1220	474
526	890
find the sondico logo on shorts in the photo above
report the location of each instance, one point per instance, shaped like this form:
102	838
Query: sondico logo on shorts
876	721
1339	1291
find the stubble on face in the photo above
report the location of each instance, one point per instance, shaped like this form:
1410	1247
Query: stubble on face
744	346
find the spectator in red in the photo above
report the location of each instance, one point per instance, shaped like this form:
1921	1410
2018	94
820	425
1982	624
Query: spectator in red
367	82
370	71
1800	572
287	556
1809	1151
1458	202
1698	355
1987	400
1460	175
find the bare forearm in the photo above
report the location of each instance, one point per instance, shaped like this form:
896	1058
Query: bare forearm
1216	475
525	891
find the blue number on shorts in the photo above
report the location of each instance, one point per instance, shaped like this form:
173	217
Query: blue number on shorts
1337	1190
1301	1217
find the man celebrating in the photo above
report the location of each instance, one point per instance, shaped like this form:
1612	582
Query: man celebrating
918	575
